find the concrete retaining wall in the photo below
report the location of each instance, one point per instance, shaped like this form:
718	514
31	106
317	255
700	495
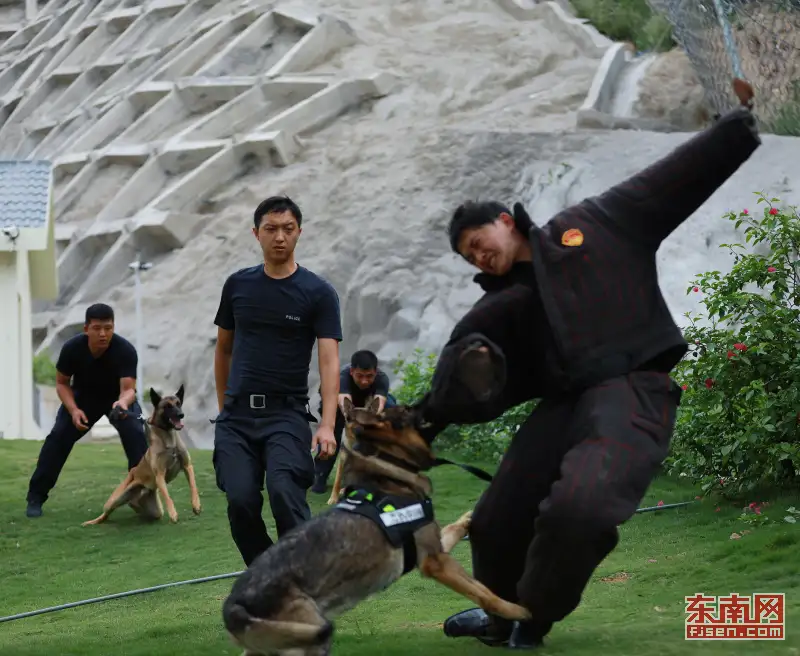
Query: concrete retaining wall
147	110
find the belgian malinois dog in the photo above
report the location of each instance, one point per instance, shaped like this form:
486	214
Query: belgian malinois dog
284	603
370	404
165	457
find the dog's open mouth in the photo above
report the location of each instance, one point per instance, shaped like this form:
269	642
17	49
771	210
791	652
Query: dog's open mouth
177	424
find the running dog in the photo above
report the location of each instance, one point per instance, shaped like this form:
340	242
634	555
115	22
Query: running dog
383	528
165	457
371	405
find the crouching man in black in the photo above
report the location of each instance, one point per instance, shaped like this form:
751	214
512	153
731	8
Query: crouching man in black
358	381
573	316
96	373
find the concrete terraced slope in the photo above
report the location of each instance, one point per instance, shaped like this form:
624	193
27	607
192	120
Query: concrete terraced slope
168	121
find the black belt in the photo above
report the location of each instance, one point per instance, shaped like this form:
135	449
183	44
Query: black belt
258	401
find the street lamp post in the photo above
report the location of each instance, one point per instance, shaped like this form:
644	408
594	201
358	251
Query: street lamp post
138	266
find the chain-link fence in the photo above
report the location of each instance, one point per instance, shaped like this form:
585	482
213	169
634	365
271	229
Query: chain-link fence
758	40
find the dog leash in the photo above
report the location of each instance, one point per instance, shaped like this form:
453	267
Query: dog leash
118	595
475	471
486	476
117	413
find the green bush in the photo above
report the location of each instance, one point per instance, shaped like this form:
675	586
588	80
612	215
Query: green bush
628	20
44	370
486	442
739	421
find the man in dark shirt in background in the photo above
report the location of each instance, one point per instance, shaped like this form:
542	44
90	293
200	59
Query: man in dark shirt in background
95	372
268	319
357	381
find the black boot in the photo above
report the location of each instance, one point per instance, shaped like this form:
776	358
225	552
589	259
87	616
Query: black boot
475	623
34	509
320	483
529	635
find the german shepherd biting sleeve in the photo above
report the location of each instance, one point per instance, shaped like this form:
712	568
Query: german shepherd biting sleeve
382	528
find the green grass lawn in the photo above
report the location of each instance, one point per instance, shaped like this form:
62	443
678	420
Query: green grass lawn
633	606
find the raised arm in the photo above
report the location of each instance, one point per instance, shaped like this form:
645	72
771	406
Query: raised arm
648	206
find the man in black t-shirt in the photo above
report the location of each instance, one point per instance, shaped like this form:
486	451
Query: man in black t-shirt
96	372
357	381
268	319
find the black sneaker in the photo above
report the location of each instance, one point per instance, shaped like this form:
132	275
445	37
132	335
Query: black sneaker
34	509
529	635
475	623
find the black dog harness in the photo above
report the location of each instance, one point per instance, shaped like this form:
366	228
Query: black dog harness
398	517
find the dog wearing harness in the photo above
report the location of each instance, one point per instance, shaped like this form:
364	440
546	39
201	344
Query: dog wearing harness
382	528
398	517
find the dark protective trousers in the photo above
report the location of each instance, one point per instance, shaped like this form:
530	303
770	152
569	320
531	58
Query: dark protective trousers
249	447
577	468
63	436
324	467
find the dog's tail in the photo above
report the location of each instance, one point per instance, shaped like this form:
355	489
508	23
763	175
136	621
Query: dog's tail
274	634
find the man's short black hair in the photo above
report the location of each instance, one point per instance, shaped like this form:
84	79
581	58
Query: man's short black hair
99	312
364	360
473	214
277	204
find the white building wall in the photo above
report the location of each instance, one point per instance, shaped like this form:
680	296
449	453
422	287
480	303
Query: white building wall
16	352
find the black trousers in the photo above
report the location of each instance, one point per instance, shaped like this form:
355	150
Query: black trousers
63	436
324	467
249	447
576	469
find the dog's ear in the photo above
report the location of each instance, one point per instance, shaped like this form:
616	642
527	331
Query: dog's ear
364	417
179	394
347	409
374	405
155	399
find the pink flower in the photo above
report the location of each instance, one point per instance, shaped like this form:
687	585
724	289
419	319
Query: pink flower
730	354
773	210
740	347
716	509
771	269
695	289
684	386
660	503
745	211
709	382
